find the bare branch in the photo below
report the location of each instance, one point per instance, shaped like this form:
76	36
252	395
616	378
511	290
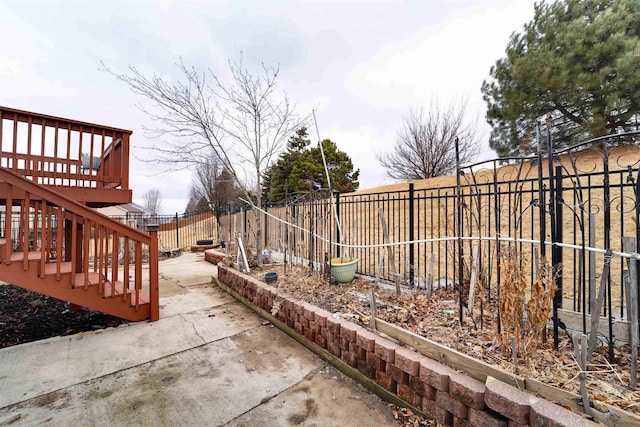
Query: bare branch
242	123
425	145
153	202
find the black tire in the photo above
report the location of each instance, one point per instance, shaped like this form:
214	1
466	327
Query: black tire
204	242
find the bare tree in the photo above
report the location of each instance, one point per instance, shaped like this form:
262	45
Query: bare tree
212	183
244	122
153	202
425	145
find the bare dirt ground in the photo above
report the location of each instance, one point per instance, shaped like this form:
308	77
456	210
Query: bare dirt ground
437	319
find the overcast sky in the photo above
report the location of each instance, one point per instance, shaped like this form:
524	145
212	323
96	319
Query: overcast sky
360	64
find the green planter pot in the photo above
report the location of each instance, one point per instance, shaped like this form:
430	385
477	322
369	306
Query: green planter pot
344	269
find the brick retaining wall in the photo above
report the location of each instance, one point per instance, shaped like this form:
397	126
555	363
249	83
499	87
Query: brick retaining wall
450	397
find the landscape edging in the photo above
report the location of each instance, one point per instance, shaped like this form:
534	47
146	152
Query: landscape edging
395	373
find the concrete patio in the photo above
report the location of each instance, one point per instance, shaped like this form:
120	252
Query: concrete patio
208	361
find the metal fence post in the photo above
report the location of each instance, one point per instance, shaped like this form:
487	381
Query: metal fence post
337	218
411	236
459	232
557	298
557	250
266	226
177	231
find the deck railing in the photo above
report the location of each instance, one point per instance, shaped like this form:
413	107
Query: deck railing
61	152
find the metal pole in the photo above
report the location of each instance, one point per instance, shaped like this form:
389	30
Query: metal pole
557	298
337	218
607	242
411	236
177	232
459	229
558	249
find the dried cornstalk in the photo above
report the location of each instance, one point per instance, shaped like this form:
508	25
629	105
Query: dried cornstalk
511	299
539	305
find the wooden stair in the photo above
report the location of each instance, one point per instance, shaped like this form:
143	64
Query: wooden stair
58	281
74	253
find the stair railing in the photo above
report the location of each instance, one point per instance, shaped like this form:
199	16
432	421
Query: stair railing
72	238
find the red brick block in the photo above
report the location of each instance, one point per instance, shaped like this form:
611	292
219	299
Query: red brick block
443	417
252	284
429	407
511	423
334	349
321	341
349	358
376	363
298	327
309	335
397	374
548	414
422	388
305	323
507	400
329	336
366	340
315	328
461	422
360	353
333	325
416	400
435	374
320	316
386	381
385	349
349	330
446	401
343	342
404	392
467	390
364	367
408	360
487	418
308	311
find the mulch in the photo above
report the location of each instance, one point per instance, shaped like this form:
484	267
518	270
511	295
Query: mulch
27	316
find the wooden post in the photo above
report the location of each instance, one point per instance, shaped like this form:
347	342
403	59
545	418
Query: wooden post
372	303
629	245
430	277
154	302
595	309
243	254
380	264
385	235
472	284
581	359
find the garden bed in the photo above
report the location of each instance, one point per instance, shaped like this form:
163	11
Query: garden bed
27	316
437	320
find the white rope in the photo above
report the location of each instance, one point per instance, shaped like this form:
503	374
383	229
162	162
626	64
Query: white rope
453	238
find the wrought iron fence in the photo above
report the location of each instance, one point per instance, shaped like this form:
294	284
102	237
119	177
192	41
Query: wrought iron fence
572	212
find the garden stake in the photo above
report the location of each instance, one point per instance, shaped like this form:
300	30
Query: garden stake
629	244
514	355
372	302
595	311
581	359
430	277
472	284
